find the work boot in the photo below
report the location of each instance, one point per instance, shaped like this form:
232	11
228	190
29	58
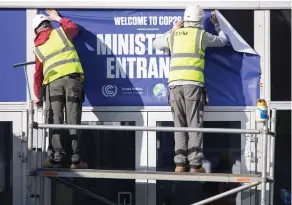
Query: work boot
58	161
80	165
49	162
180	169
200	170
76	163
52	164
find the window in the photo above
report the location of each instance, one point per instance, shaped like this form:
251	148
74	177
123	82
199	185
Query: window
243	22
110	150
5	159
282	186
280	55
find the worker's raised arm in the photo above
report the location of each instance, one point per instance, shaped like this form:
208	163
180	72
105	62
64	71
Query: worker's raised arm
70	28
161	43
210	40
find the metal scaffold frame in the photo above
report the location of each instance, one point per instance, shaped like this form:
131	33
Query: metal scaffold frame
249	180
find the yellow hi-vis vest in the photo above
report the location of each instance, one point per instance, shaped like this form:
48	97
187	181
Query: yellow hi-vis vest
58	56
187	57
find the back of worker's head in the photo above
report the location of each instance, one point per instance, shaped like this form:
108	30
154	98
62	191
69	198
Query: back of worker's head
194	13
41	22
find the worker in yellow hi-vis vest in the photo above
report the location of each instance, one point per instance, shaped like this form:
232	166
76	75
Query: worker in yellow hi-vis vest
58	76
187	41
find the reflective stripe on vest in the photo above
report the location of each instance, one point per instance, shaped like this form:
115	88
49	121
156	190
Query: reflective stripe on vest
58	56
187	57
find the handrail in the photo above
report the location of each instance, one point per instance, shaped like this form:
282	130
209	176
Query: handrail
23	64
145	128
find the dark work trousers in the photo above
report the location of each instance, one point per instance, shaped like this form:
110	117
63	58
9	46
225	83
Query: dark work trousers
187	105
65	92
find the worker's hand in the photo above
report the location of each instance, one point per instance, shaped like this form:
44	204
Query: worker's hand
53	15
213	18
38	102
178	25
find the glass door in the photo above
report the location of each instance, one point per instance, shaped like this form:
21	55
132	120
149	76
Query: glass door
110	150
12	158
224	153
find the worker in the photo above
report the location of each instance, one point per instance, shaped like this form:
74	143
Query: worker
58	77
187	41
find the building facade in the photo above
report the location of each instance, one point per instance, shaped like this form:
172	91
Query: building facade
266	27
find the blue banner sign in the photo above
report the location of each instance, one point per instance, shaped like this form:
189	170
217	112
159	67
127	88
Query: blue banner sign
123	69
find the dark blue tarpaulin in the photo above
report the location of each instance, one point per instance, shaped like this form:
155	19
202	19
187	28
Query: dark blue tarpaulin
122	68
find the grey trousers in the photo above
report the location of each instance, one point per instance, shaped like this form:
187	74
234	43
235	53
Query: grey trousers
187	104
65	92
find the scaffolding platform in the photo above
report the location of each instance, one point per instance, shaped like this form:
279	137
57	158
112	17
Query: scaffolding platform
35	173
149	175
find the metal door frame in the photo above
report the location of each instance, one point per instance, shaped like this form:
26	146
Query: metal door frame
19	155
141	161
246	123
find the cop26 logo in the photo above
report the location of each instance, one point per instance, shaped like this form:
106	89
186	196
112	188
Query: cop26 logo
109	90
160	91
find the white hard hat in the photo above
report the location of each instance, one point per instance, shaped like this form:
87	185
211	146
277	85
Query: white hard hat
194	13
38	19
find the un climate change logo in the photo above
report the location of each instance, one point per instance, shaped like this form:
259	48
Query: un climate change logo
109	90
160	91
